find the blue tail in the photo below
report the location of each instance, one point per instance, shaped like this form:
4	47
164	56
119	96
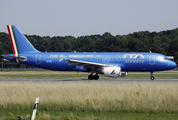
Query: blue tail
19	42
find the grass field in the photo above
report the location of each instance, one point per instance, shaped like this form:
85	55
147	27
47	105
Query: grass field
61	75
92	100
68	115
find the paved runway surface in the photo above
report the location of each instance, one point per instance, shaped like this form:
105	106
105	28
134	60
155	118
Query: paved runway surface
100	80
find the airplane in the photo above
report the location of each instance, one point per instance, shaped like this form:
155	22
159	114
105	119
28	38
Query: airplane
110	64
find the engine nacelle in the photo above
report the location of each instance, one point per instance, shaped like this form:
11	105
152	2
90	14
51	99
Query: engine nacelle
123	74
112	71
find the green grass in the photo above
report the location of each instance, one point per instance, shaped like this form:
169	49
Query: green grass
67	115
88	100
81	75
42	76
146	76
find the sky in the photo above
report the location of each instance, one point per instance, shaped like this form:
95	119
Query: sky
88	17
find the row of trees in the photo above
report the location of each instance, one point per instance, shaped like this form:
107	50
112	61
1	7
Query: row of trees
164	42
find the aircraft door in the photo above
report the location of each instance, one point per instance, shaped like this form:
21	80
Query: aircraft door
103	60
152	59
38	59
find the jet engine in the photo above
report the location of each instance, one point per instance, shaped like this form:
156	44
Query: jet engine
112	71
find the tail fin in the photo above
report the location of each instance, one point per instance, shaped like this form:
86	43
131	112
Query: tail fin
19	42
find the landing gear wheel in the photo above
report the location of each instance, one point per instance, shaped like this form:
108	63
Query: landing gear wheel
96	77
152	77
90	77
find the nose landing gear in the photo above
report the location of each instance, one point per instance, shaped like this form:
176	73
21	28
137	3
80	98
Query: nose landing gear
152	77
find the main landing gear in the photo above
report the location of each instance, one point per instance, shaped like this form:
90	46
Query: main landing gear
152	77
95	77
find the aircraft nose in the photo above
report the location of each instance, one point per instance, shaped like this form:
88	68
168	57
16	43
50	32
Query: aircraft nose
172	64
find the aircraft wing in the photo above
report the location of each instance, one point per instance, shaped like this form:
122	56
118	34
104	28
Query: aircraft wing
85	64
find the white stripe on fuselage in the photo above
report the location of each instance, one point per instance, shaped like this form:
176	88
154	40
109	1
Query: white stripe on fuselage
13	40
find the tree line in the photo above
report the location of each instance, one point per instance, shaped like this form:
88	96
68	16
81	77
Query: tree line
164	42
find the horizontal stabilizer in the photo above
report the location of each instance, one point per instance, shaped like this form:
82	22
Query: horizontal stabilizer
2	58
21	58
5	60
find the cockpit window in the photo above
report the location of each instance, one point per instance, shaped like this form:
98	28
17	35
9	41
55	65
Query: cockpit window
166	58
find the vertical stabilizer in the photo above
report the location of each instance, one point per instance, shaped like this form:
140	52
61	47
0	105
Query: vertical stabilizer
19	42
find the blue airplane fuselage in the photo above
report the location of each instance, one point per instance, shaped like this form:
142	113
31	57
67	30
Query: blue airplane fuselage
128	61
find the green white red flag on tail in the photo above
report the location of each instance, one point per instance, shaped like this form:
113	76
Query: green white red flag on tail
13	42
